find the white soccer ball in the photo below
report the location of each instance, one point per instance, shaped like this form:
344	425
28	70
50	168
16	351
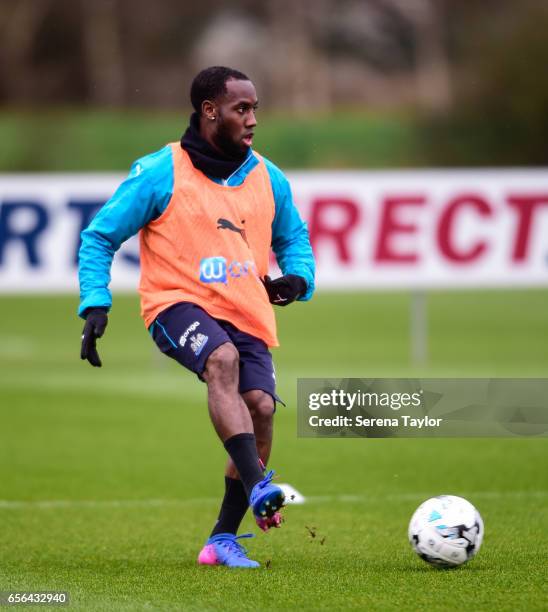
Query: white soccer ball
446	531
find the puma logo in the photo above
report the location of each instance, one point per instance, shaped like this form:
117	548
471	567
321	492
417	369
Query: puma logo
226	224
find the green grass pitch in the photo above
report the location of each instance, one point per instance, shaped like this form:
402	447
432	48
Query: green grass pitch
110	479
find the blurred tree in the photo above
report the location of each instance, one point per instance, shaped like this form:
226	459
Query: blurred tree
472	72
501	116
298	71
19	25
428	21
103	52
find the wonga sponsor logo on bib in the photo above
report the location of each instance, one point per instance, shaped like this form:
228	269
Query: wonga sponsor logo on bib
216	270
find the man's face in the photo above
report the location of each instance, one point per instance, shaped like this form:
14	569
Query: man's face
236	118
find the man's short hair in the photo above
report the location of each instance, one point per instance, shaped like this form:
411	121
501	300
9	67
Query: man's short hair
210	83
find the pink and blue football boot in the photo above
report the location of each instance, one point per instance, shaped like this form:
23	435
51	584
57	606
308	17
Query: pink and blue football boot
224	549
265	500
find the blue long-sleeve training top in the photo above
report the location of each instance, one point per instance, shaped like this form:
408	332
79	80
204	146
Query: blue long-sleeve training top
144	196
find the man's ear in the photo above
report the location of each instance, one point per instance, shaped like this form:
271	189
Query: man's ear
209	110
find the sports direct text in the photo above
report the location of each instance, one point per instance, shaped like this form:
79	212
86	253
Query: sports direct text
390	229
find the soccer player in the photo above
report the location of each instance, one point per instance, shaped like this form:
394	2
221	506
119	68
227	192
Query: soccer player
208	209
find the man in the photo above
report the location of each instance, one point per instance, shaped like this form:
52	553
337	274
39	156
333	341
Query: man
208	209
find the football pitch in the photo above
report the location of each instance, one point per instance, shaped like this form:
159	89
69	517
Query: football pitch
111	478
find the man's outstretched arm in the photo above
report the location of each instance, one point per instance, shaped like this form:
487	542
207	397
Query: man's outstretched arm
142	197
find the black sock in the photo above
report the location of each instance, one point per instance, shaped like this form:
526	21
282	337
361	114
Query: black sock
233	508
242	448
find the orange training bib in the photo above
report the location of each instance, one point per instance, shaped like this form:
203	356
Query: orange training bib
211	247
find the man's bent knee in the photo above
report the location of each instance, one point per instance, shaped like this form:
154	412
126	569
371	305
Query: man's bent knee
223	361
260	404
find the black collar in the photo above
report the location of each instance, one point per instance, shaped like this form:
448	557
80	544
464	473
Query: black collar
203	156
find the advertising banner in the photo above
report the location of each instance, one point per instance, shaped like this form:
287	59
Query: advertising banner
369	230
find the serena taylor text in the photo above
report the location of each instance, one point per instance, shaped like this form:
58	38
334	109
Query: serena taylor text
361	421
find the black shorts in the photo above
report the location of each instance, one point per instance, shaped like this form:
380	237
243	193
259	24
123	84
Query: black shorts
187	333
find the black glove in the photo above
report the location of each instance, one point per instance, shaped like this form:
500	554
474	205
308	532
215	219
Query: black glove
284	290
96	322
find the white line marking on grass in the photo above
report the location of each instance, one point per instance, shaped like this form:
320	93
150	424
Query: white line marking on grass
6	504
107	503
292	496
350	499
17	347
